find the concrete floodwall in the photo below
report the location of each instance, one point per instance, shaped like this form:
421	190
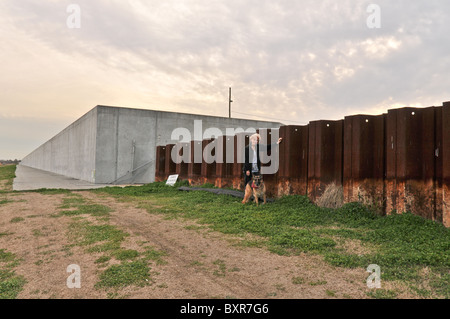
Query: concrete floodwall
127	141
115	145
71	153
398	161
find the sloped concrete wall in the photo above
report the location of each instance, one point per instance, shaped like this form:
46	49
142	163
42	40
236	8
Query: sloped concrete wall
116	145
127	139
71	152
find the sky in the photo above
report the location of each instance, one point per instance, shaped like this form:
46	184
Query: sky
290	61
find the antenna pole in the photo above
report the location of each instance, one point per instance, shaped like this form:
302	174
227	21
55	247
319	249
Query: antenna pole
229	104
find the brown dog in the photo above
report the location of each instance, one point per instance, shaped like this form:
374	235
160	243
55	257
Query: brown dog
255	187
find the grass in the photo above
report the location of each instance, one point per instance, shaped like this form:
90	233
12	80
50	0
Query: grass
10	284
7	174
409	249
133	268
125	274
101	237
401	244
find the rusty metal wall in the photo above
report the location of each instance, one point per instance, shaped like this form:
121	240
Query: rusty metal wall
208	171
438	174
195	164
170	166
240	141
293	157
445	153
363	161
160	165
398	161
268	159
411	161
325	156
224	166
182	167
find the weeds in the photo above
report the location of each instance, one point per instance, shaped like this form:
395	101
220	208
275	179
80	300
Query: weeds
7	174
401	245
10	284
126	274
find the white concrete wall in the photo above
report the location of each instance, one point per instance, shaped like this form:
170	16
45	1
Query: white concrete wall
71	152
108	143
125	140
119	127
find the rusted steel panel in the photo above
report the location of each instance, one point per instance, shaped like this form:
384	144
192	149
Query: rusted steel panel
314	155
438	166
170	166
391	161
363	162
208	162
195	165
446	164
325	160
224	161
160	165
410	180
183	157
241	140
293	152
270	159
420	162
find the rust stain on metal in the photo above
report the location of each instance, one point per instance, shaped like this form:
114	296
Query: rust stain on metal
398	161
195	164
293	159
324	156
446	164
363	162
160	163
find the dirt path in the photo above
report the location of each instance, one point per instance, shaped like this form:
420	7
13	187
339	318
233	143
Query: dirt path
200	263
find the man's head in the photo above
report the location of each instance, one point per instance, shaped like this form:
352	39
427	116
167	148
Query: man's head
254	139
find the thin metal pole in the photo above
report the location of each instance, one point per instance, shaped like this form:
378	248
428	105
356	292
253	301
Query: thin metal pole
229	104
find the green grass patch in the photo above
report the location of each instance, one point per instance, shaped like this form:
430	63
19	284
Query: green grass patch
17	220
10	284
126	274
126	254
134	267
401	245
85	234
73	200
7	175
5	201
151	254
87	209
75	205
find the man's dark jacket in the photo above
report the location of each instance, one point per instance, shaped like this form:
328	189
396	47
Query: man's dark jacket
249	157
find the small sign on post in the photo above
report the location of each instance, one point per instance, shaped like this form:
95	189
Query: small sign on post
172	180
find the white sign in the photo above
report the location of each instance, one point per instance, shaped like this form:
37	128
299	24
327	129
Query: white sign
172	180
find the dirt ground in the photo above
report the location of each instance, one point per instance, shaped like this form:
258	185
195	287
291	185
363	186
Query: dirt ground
199	263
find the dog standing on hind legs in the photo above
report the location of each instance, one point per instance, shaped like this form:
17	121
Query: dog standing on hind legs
255	187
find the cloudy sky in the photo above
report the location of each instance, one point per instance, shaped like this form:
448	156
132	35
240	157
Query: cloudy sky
291	61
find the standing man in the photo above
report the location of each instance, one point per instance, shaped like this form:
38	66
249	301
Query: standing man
252	165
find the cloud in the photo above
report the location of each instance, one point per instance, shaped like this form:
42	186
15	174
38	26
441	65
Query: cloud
292	60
